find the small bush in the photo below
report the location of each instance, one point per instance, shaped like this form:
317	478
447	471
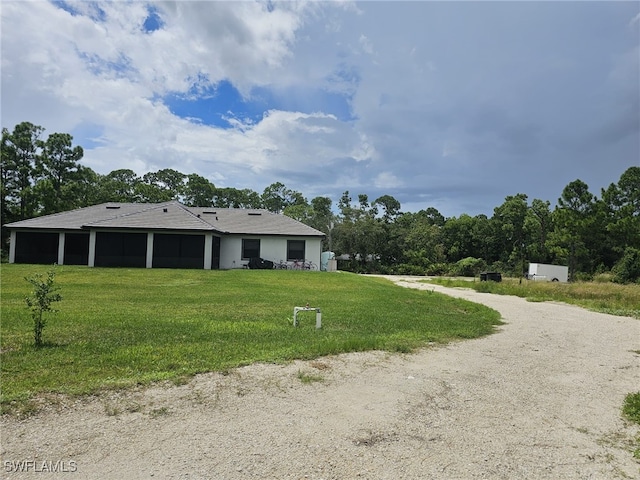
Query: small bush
407	269
501	267
468	267
437	269
606	277
43	295
581	277
627	270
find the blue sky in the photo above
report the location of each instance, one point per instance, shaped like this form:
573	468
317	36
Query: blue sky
452	105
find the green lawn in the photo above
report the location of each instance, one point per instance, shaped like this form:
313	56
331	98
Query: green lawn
122	327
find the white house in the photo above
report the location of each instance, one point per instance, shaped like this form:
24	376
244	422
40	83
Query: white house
162	235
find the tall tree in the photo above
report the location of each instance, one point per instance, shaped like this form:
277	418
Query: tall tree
509	221
20	149
359	233
56	170
621	204
276	197
85	188
538	225
433	216
457	234
119	186
229	197
390	206
161	186
573	219
417	240
198	191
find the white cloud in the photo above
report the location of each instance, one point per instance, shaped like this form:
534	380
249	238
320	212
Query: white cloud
387	180
458	92
366	44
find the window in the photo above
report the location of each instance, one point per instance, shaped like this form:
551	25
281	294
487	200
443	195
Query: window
295	250
250	248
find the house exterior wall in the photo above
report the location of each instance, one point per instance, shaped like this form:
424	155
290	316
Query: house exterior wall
272	248
92	251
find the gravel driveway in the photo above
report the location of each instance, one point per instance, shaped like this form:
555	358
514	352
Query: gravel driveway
540	399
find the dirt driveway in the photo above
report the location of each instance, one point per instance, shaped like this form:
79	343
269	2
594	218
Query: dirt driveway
540	399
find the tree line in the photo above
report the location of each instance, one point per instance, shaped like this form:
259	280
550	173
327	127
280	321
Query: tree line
590	234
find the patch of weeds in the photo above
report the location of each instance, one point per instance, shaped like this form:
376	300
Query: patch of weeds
133	407
536	299
22	409
631	410
402	348
631	407
181	380
308	378
198	397
111	410
320	365
159	412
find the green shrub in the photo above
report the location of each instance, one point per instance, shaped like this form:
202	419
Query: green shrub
627	270
501	267
581	277
43	295
407	269
605	277
437	269
468	267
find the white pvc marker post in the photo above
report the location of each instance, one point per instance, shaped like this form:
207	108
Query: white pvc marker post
307	309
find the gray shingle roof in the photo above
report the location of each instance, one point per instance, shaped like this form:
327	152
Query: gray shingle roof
171	216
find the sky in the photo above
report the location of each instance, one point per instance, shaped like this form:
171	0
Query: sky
452	105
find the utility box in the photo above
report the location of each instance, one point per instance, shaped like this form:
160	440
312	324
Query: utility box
325	258
543	272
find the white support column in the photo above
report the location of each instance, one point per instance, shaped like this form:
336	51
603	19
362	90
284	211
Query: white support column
92	248
208	248
150	250
12	247
61	240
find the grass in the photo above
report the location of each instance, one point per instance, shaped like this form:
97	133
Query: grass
308	378
631	407
611	298
117	328
631	410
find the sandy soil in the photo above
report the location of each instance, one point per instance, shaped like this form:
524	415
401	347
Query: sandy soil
540	399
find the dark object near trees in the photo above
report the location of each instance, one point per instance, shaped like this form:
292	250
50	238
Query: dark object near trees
493	276
260	264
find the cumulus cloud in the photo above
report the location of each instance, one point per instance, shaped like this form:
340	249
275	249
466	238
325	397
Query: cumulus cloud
425	101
